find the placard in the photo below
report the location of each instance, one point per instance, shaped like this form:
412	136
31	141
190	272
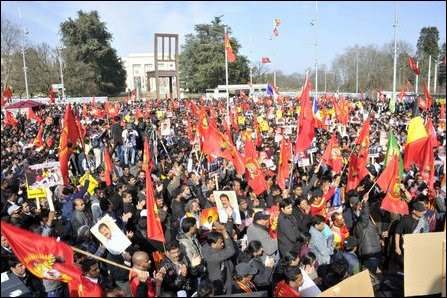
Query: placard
108	233
224	200
358	285
43	175
207	217
423	263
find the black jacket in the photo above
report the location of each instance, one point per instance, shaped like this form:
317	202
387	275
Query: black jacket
367	234
288	233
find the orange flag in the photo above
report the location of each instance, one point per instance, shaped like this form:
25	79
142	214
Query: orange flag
67	143
283	165
154	228
230	54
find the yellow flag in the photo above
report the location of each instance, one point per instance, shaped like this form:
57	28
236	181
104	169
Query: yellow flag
92	185
416	130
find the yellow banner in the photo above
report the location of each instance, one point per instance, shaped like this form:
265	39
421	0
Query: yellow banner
92	185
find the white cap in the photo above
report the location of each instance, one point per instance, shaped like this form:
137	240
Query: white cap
143	213
13	208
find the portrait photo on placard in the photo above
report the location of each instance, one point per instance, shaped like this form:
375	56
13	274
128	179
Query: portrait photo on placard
226	201
110	235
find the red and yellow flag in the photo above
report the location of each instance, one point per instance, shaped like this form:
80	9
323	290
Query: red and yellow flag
44	257
416	138
357	163
38	141
230	54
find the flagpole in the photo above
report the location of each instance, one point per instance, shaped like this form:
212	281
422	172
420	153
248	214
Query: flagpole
393	99
316	45
226	80
100	259
417	81
436	77
429	72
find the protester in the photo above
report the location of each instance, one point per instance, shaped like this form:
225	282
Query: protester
323	227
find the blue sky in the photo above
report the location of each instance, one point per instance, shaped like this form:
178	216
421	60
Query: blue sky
340	24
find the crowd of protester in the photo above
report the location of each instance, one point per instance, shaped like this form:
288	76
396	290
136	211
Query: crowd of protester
296	241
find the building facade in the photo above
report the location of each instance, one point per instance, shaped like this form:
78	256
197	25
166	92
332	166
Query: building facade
137	65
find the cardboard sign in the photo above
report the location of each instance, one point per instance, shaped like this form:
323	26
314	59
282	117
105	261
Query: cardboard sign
43	175
224	200
108	233
423	263
358	285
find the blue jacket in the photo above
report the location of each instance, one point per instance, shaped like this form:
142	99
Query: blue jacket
319	246
67	208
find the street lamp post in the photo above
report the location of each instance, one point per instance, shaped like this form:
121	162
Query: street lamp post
393	99
314	23
62	74
23	55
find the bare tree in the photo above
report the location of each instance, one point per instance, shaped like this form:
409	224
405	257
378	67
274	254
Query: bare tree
10	45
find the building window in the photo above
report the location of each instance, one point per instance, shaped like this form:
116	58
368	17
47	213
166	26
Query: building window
161	65
136	69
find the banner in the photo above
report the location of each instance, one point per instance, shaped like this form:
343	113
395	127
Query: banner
43	175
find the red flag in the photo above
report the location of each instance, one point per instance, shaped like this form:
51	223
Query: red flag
189	129
305	123
52	98
431	132
38	141
402	93
7	95
10	119
253	173
413	66
389	182
84	288
33	116
230	54
108	166
428	98
357	163
67	142
283	165
332	155
154	228
282	289
265	60
44	257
